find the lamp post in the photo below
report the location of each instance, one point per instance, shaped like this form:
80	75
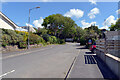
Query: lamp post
29	26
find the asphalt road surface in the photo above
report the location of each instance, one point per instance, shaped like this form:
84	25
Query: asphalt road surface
54	61
49	62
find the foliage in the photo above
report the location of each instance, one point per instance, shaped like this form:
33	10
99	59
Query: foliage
93	32
41	31
22	44
58	24
116	26
10	37
54	39
24	34
46	37
6	39
34	39
61	41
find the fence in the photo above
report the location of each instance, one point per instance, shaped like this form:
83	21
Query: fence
108	49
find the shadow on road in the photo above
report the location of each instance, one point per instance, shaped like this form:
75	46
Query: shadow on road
89	53
104	69
89	59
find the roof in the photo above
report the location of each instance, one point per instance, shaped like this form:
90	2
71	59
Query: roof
9	20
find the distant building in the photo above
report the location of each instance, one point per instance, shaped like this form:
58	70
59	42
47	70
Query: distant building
31	28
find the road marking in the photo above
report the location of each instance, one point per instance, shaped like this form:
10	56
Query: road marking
7	73
71	67
24	53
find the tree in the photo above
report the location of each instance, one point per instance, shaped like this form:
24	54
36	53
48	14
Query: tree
53	23
93	31
116	26
41	31
57	25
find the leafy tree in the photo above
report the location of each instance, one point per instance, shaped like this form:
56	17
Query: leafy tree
116	26
59	25
79	32
41	31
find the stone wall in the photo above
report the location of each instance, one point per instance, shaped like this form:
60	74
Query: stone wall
15	48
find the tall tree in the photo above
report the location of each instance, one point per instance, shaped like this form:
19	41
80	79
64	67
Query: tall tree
57	24
115	27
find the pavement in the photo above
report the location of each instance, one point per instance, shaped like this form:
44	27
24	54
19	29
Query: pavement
88	65
54	61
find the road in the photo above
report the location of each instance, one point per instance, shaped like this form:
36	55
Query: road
49	62
54	61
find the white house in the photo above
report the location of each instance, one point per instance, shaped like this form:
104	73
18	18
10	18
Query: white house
30	26
6	23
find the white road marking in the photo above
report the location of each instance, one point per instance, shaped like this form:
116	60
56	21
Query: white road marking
7	73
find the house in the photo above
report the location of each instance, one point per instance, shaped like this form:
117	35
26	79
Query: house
31	28
6	23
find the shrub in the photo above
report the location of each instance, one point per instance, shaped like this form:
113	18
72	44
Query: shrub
46	37
11	37
4	44
42	40
24	34
35	39
22	45
61	41
82	41
6	39
54	39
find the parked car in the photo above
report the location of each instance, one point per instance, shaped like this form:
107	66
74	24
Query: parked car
93	47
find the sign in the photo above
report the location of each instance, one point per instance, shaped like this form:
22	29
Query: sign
89	41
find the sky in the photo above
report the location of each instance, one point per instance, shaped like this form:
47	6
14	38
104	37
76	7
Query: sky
83	13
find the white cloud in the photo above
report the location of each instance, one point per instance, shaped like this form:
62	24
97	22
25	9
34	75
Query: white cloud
86	24
74	13
107	23
93	1
38	23
93	12
118	11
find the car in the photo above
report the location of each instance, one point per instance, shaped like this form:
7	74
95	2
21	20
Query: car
93	47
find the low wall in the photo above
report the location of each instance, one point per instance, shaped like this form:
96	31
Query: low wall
113	64
15	48
108	49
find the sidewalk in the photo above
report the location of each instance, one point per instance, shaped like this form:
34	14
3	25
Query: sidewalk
88	65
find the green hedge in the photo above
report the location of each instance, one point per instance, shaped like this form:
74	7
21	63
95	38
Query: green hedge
20	38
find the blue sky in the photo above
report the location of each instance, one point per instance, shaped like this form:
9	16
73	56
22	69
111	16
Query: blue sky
78	11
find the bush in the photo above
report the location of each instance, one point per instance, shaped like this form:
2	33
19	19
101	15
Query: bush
22	45
6	40
42	40
82	41
54	39
11	37
4	44
23	34
35	39
61	41
46	37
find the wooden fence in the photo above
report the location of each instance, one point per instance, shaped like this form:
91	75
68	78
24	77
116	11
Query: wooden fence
108	49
